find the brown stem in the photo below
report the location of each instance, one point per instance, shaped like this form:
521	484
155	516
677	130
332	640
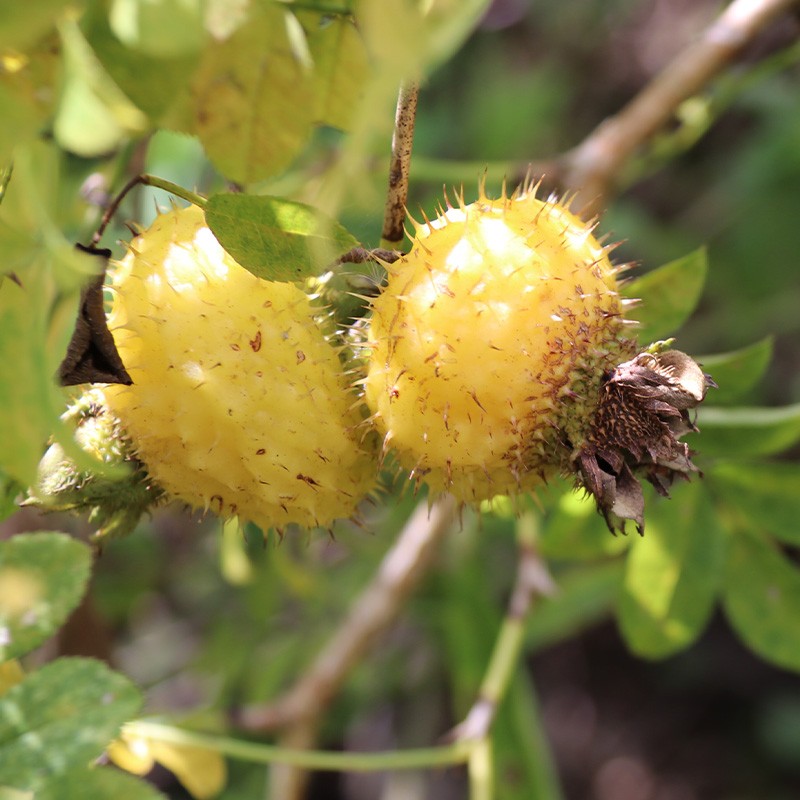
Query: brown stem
372	612
402	139
591	168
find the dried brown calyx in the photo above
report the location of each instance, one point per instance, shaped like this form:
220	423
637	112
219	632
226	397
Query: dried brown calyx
643	411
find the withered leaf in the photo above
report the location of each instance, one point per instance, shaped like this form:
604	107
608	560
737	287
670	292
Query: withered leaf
92	356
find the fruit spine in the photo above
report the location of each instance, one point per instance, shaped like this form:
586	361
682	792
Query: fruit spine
239	403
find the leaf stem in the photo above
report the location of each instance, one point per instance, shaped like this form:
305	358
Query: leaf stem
257	753
145	180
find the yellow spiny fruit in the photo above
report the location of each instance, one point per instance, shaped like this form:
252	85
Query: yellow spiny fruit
489	344
239	403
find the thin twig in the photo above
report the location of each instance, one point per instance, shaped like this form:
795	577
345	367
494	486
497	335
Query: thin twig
402	140
533	578
591	168
145	180
372	612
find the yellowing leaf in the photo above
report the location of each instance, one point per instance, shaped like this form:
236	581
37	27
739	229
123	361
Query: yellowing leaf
341	68
254	100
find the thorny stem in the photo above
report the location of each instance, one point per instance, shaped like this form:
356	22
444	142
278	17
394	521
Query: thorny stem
145	180
402	140
592	168
533	578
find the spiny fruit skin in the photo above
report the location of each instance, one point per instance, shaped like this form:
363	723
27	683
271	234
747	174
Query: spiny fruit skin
239	403
489	342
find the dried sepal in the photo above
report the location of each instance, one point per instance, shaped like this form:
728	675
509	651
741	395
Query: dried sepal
642	412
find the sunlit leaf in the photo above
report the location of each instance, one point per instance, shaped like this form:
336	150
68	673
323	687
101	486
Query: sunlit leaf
766	494
159	28
60	717
668	295
737	371
421	34
94	116
97	783
42	579
158	86
672	575
738	432
273	238
254	100
762	600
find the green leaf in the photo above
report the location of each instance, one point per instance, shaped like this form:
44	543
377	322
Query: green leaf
762	600
254	98
61	717
30	400
18	249
765	494
42	579
276	239
98	783
672	575
9	490
668	295
738	432
737	371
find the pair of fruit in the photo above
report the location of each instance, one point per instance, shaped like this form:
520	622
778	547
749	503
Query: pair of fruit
493	358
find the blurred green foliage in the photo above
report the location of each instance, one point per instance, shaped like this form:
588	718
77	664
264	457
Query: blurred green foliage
205	620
